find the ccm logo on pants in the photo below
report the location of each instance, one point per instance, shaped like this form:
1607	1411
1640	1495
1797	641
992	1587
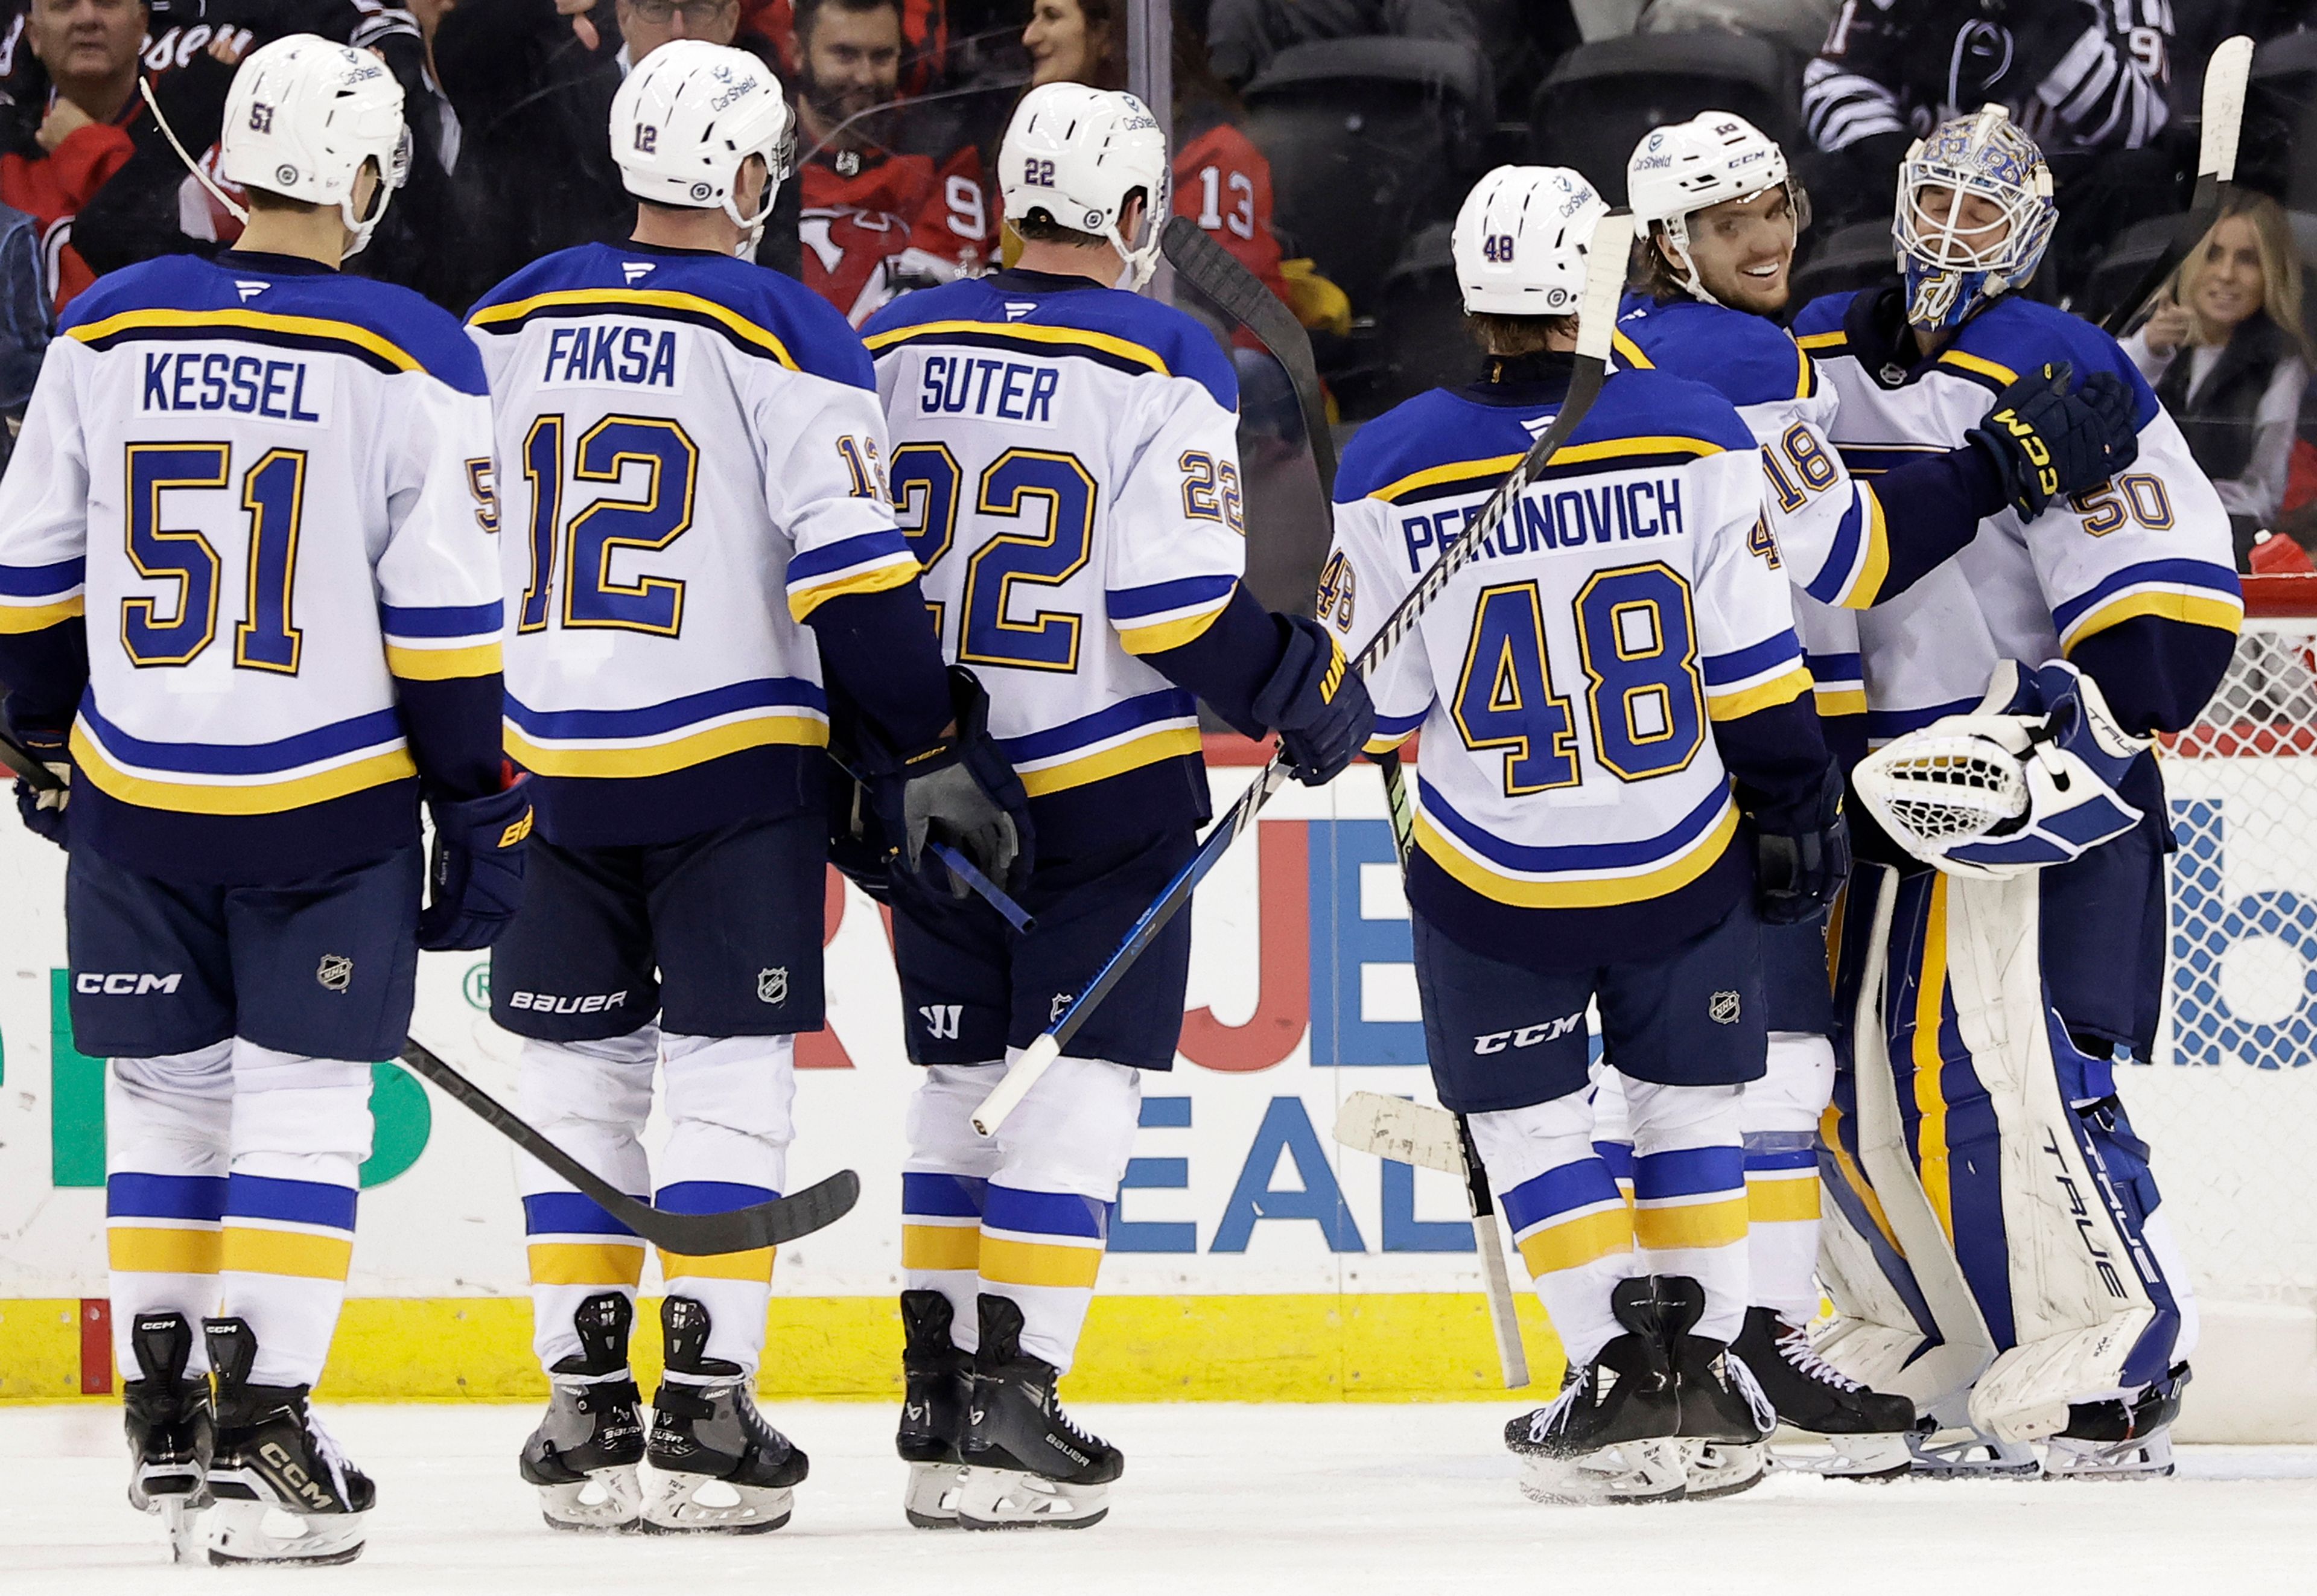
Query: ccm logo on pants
125	986
1550	1030
548	1003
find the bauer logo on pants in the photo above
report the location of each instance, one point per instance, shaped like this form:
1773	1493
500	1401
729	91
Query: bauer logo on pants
1721	1009
773	985
335	972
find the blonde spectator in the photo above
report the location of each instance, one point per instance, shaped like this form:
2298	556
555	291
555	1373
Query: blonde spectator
2234	309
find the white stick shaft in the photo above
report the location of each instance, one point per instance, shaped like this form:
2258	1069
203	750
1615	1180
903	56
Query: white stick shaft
1503	1317
1006	1096
2225	75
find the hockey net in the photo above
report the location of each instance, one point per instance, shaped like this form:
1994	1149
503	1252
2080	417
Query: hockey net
2230	1098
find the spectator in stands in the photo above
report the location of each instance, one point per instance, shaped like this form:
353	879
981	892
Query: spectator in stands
925	37
89	50
2234	309
874	220
1075	42
23	321
1243	35
2087	78
532	82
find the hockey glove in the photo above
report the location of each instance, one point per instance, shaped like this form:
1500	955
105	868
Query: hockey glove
1801	859
961	791
1315	702
475	878
42	807
2047	442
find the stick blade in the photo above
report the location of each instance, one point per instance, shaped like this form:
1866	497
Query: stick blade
2225	76
1395	1128
767	1225
1607	254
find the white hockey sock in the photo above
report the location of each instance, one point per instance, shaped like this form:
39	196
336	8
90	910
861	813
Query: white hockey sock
591	1099
730	1108
1781	1115
1046	1214
302	1129
1573	1227
944	1184
168	1122
1689	1194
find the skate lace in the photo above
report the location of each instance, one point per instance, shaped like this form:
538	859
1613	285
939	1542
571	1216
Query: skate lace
1551	1417
1794	1347
1076	1429
329	1453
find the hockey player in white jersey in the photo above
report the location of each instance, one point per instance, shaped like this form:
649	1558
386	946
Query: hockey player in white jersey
1718	217
1064	453
705	558
2002	1255
1621	780
249	607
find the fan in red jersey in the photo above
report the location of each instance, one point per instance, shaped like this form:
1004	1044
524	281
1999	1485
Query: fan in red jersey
875	220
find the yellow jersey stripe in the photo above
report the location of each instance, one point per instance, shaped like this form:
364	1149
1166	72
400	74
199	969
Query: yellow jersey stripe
286	1253
586	1263
1630	353
1522	893
2194	609
261	798
808	596
941	1247
1693	1224
1060	336
1876	566
16	619
1158	637
1382	744
1778	1202
143	1251
1930	1092
1008	1262
1576	1242
739	325
660	758
755	1266
442	665
1782	688
1841	700
1167	742
1967	360
310	327
1576	454
1810	341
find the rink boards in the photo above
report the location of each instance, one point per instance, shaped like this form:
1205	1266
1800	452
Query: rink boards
1251	1256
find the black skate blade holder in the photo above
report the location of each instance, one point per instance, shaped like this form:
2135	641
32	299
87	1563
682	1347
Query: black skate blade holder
693	1235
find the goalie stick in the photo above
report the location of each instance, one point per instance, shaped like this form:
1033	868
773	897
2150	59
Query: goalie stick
1202	263
1605	276
692	1235
2222	124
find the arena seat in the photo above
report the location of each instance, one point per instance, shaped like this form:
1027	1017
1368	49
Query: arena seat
1602	97
1856	256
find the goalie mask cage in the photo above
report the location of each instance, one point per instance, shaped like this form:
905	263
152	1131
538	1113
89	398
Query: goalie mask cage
2230	1100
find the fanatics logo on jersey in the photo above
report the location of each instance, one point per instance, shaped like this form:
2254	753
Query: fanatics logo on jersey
335	972
249	287
1016	310
635	271
1721	1009
773	985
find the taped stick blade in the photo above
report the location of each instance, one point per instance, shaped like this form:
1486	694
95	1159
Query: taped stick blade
1395	1128
2225	76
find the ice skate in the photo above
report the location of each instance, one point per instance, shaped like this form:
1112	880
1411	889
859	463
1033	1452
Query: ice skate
1946	1446
1607	1435
1725	1418
284	1490
1027	1466
940	1386
172	1428
1863	1432
716	1466
2119	1438
583	1456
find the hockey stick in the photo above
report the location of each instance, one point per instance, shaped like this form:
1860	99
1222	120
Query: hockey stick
1605	276
1435	1139
26	767
1205	265
2225	75
692	1235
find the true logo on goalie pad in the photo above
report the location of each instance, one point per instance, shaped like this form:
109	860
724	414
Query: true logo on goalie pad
1722	1008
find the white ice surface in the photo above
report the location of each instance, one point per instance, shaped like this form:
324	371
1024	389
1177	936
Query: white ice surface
1321	1499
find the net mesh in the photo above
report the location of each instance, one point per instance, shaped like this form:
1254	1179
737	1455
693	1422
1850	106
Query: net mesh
2230	1100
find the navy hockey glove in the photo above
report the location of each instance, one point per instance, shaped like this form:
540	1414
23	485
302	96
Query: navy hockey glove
1802	858
42	807
961	791
2047	442
1316	702
475	878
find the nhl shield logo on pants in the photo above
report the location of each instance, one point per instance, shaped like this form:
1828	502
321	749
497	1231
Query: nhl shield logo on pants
773	985
1721	1009
335	972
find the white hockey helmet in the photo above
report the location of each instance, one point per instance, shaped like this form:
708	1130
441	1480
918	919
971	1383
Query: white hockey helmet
302	116
688	118
1076	153
1682	168
1952	269
1521	239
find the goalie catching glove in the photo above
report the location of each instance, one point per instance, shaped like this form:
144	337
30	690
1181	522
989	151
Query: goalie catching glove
960	790
2026	780
2045	442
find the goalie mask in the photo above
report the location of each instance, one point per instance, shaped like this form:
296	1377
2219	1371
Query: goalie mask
1987	235
2026	780
303	119
1078	154
1714	157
